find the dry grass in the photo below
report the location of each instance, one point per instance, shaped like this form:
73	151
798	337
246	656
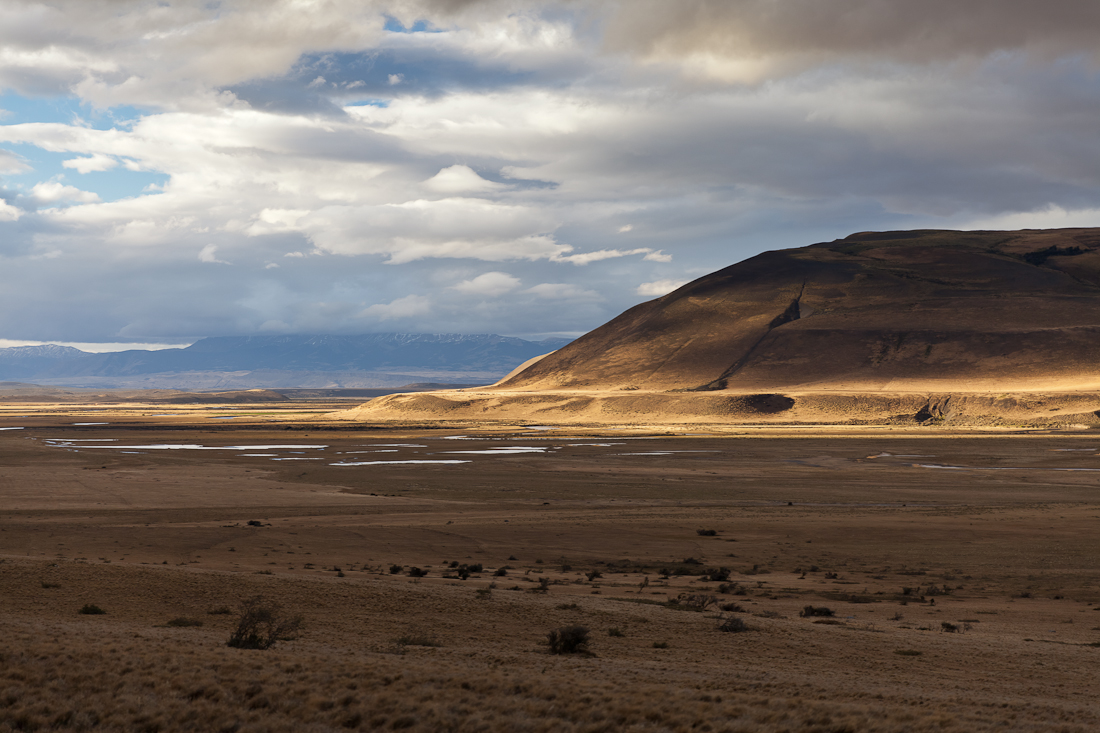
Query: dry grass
165	544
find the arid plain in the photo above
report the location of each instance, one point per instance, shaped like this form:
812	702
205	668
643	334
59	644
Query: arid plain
959	564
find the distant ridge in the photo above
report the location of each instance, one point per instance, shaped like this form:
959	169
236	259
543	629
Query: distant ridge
280	357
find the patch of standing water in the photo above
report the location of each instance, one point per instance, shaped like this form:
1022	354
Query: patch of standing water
501	451
998	468
393	463
12	428
91	423
357	452
394	445
195	446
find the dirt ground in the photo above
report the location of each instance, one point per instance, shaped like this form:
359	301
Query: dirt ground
959	567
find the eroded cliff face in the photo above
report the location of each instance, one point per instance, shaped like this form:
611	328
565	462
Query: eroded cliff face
892	311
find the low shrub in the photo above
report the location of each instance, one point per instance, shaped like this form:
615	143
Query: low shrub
616	632
949	627
415	572
261	624
396	569
500	572
90	609
593	574
810	611
731	624
696	601
706	532
717	575
568	640
732	607
660	645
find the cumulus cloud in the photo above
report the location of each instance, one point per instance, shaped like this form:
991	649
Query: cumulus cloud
658	288
408	307
209	253
97	162
586	145
9	212
459	179
50	192
489	284
562	291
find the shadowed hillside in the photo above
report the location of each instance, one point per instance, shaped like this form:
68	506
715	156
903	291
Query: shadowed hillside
873	311
989	328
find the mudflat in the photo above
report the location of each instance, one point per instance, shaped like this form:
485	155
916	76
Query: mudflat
867	578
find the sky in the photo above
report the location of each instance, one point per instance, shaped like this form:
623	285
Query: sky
171	170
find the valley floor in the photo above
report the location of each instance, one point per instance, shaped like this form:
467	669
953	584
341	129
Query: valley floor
959	568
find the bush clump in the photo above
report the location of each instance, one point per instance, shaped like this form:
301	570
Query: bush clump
568	640
91	609
811	611
261	624
731	624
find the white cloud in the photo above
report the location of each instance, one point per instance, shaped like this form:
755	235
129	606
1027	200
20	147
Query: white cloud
1050	217
489	284
460	179
449	228
50	192
10	163
270	221
408	307
395	79
626	228
96	162
209	253
585	258
9	212
659	287
562	291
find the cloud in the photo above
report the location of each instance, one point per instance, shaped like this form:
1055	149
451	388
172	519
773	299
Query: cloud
209	253
658	288
585	258
459	179
97	162
50	192
562	291
543	135
408	307
489	284
1049	217
749	40
450	228
9	212
11	163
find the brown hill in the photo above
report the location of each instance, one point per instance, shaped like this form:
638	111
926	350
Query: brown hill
876	313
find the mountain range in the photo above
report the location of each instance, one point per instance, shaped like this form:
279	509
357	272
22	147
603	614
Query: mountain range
367	360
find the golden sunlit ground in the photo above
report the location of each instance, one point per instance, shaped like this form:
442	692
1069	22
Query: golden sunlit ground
960	569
